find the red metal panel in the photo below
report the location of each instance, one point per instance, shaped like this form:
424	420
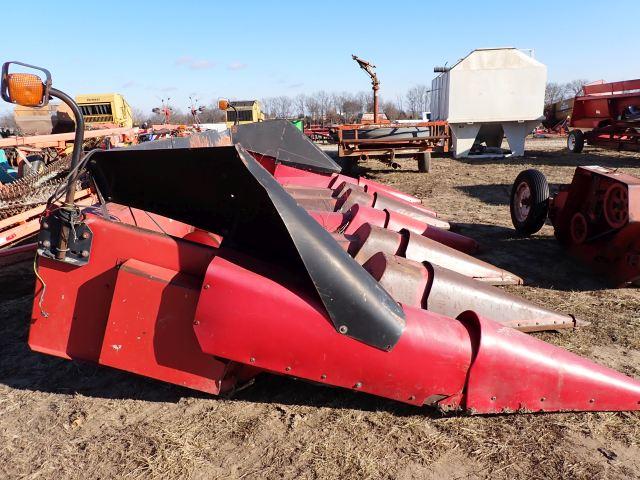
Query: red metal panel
77	300
150	328
374	187
146	220
287	175
330	221
283	332
612	87
513	371
360	215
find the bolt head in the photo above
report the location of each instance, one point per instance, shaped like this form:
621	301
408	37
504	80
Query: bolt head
46	244
85	235
85	253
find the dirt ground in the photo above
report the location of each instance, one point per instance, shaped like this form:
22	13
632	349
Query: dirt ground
60	419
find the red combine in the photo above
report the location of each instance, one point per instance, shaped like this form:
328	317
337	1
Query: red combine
245	280
606	115
597	217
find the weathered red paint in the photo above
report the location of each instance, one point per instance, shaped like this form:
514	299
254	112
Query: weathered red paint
132	307
606	238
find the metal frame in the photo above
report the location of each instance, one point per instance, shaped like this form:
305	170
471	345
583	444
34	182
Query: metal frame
438	141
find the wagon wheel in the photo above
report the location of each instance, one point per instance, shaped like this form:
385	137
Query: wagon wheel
616	205
529	203
579	228
575	141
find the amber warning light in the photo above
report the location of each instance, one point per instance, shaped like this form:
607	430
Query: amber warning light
25	89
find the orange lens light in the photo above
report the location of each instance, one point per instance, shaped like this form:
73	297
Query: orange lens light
25	89
223	104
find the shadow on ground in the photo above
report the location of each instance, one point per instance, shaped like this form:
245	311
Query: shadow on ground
561	158
540	260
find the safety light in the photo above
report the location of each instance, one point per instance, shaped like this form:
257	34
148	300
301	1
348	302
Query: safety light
223	104
26	89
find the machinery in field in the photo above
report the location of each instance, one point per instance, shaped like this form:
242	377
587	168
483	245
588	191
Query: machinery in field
100	111
103	110
239	112
557	116
606	115
377	137
273	261
597	217
490	94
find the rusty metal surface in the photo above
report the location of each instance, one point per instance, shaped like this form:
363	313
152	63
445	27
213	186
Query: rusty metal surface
369	240
382	202
398	221
451	294
308	192
448	293
320	204
343	187
351	145
352	197
424	249
404	280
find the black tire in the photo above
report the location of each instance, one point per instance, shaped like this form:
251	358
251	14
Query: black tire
528	223
575	141
424	162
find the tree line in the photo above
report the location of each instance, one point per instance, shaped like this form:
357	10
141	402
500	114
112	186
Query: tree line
318	107
554	92
330	107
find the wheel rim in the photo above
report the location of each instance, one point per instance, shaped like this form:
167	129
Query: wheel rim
571	142
522	202
616	205
579	228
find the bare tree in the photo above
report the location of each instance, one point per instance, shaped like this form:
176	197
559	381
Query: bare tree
351	108
267	107
389	109
300	102
323	102
418	98
282	106
212	114
554	92
313	107
7	121
574	87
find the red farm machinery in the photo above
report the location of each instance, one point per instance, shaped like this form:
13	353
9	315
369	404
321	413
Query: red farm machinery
606	115
596	216
268	259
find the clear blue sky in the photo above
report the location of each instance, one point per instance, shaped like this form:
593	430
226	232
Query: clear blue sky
256	49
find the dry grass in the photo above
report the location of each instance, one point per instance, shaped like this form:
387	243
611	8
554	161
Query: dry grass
65	420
